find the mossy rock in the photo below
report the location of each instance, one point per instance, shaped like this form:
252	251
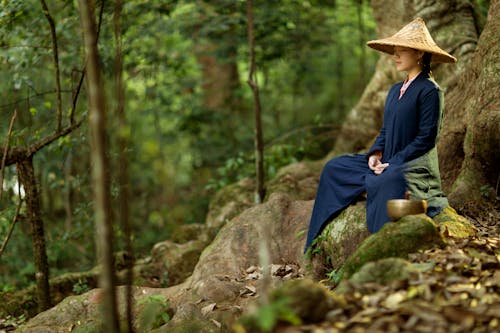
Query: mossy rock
383	272
90	327
299	181
309	300
294	301
188	319
153	314
396	239
170	264
24	302
342	236
229	202
451	224
187	232
70	308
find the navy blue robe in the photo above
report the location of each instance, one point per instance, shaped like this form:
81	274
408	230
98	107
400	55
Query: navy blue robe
407	141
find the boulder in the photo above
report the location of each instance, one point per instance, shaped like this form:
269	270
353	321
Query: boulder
24	302
398	239
82	313
382	272
229	202
298	180
342	236
169	264
280	220
453	225
307	299
218	277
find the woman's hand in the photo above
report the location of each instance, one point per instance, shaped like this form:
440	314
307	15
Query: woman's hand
376	165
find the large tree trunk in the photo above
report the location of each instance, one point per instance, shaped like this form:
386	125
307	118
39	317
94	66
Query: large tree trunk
220	79
33	214
477	106
453	24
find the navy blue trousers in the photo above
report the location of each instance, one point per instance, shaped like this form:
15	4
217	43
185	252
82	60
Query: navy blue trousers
343	180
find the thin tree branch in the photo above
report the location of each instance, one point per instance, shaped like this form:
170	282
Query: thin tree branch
48	92
55	52
33	148
17	154
6	151
24	46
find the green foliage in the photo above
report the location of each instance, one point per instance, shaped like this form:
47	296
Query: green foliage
155	313
486	191
266	316
178	142
12	322
80	287
335	275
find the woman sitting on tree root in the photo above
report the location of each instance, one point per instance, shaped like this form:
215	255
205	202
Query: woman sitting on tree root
403	160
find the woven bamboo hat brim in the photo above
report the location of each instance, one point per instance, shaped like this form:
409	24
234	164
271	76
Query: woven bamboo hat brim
416	36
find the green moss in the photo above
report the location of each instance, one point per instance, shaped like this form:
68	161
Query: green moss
91	327
408	235
153	315
298	181
230	201
383	272
451	224
189	326
24	302
309	300
342	236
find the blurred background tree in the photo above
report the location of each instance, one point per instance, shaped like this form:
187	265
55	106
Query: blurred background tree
191	125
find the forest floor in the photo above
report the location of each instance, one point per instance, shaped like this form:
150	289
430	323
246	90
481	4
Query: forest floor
457	290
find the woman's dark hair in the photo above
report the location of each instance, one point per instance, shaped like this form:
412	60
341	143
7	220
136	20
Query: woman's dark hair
426	63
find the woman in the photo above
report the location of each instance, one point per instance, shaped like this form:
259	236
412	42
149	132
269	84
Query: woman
403	160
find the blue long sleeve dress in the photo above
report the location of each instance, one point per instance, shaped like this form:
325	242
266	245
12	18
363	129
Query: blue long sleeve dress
407	141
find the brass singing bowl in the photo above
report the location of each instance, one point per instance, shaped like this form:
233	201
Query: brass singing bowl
397	208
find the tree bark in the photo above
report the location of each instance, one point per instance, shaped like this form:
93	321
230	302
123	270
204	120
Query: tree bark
259	142
217	57
476	101
27	178
123	177
100	167
361	30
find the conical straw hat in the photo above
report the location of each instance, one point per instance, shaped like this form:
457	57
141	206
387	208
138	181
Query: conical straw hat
416	36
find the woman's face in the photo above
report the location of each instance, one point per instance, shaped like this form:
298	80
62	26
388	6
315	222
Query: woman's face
406	59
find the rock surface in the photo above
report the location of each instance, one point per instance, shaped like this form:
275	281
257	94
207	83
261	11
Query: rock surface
229	274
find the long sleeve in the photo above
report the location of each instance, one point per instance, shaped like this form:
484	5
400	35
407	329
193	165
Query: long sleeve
428	123
379	143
